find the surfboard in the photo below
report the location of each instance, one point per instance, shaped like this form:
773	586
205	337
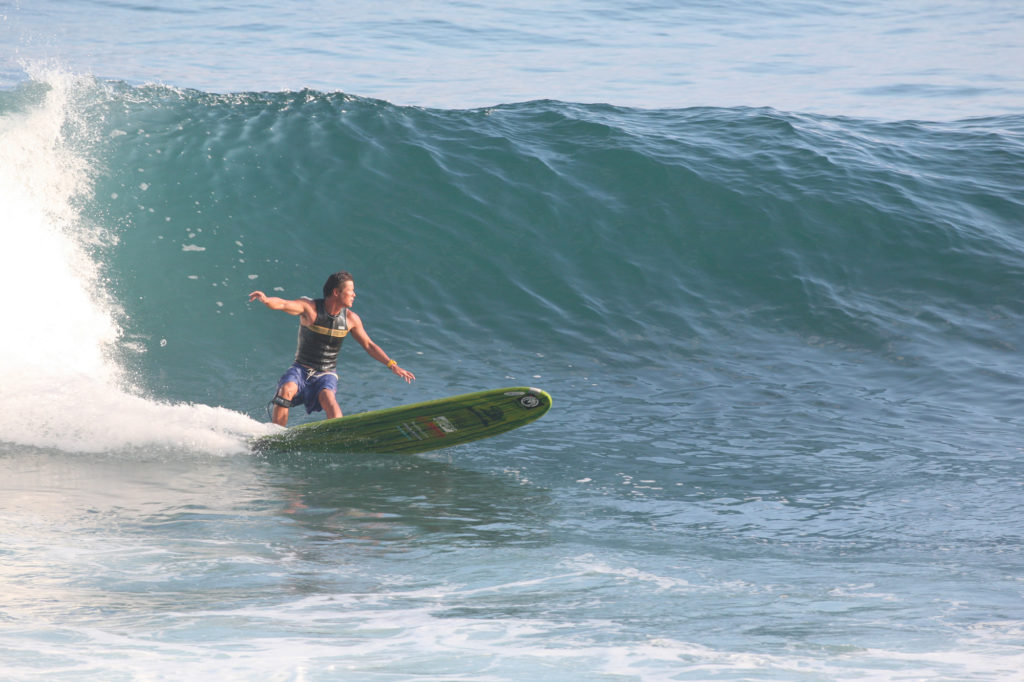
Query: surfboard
418	427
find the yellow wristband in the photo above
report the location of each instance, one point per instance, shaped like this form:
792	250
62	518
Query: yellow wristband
392	364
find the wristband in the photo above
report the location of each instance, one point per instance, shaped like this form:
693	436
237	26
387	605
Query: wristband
392	364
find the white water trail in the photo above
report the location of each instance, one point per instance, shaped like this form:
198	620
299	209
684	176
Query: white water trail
62	387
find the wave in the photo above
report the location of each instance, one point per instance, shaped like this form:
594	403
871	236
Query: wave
625	242
65	387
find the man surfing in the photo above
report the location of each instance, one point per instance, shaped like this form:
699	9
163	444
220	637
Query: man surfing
323	324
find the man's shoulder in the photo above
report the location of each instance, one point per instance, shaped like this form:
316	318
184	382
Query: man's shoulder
309	307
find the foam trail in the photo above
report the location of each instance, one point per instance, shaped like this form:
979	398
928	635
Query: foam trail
62	388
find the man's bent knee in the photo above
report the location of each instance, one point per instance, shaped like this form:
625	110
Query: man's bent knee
288	390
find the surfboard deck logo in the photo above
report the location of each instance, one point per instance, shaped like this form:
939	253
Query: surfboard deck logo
418	427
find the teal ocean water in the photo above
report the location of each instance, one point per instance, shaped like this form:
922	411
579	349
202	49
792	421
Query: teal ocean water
781	331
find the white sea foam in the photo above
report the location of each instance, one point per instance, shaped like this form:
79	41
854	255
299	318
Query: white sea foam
63	387
351	636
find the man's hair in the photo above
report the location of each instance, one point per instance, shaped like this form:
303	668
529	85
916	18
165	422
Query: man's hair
336	280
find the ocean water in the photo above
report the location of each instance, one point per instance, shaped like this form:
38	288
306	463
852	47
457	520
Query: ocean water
766	257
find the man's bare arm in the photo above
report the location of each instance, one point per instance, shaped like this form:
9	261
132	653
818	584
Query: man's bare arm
292	307
375	351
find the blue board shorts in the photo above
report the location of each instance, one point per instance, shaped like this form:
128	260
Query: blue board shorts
311	383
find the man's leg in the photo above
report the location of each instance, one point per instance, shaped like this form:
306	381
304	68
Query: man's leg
329	402
286	391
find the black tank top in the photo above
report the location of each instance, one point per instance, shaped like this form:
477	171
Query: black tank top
320	342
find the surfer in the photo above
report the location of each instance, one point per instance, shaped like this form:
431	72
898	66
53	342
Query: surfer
323	324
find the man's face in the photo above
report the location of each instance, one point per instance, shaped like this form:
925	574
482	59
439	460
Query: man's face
347	292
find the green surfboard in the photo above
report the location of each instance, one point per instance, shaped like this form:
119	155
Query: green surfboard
419	427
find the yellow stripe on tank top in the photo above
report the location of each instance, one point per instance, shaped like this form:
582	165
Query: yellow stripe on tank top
327	331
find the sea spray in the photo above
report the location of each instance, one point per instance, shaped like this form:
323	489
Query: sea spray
64	387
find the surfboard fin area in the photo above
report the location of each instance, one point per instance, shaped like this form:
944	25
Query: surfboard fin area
418	427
